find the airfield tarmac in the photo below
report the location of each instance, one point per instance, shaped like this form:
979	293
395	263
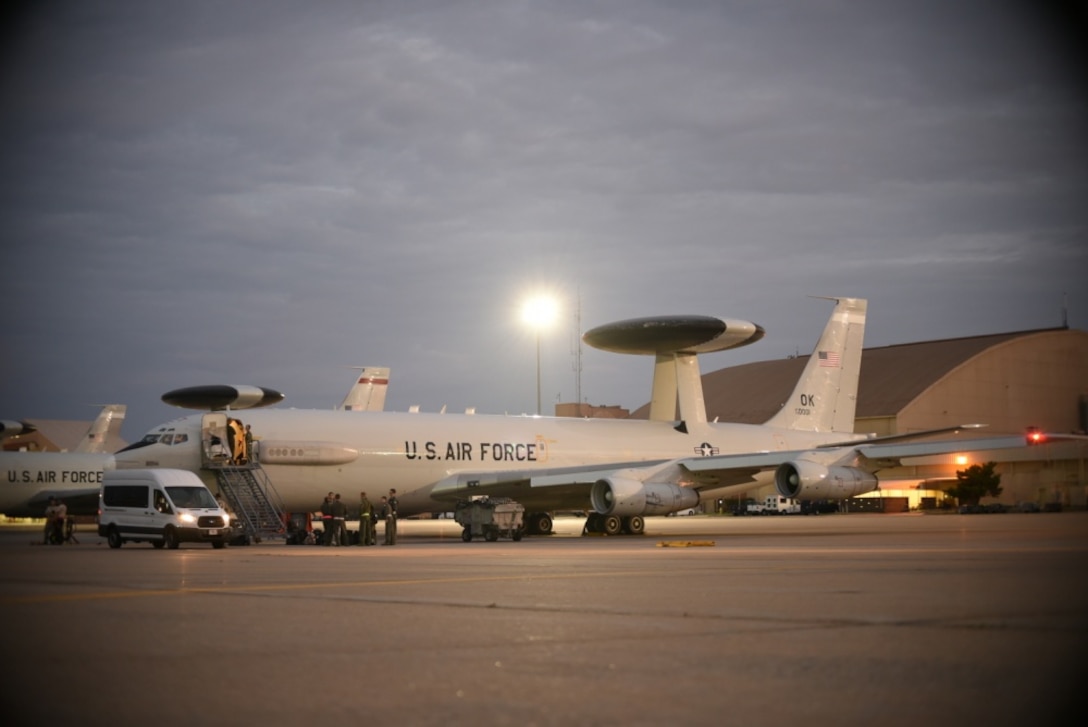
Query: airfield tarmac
837	619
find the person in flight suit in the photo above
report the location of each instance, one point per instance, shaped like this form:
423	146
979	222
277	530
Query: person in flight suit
249	444
383	515
326	520
51	522
339	515
391	519
366	525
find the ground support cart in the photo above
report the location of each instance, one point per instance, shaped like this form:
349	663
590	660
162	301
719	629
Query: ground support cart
490	517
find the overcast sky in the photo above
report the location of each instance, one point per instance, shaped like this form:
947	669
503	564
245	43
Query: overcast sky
270	192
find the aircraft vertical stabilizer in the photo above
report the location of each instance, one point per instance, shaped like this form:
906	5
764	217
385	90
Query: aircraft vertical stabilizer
106	425
368	392
825	399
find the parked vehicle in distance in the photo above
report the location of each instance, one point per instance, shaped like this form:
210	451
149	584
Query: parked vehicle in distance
775	505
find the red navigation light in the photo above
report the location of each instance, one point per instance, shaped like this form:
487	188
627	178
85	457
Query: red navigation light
1035	436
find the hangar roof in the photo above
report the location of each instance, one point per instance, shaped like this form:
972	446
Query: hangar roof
891	377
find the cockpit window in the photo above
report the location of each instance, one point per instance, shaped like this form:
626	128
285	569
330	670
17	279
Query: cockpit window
169	438
148	439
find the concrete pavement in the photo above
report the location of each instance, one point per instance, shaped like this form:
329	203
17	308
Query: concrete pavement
836	619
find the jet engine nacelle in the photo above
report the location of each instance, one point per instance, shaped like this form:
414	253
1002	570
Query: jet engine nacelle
623	496
14	429
806	480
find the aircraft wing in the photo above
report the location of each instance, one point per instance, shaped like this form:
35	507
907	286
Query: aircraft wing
894	452
557	488
822	472
876	452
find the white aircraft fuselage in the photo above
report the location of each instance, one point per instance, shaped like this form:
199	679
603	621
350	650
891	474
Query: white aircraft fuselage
307	453
28	479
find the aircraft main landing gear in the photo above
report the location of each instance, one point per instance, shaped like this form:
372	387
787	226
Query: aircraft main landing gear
614	524
538	523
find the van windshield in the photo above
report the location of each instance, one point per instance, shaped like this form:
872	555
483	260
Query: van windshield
191	497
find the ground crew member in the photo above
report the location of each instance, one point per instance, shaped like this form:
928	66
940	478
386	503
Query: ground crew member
383	514
51	520
60	521
366	526
249	444
326	519
391	519
237	441
339	515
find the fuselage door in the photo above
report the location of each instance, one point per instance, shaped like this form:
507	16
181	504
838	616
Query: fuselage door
215	438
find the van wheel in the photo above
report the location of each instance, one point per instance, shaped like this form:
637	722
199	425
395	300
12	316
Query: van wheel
114	538
170	538
219	544
157	544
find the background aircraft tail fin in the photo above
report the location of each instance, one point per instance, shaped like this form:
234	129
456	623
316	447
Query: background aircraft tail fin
368	392
825	399
106	425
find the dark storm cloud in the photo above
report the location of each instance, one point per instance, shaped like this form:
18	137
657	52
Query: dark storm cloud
269	192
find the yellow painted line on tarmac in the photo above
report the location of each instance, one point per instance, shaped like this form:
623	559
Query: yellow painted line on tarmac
685	543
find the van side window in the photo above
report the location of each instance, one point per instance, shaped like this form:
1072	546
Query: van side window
161	504
125	496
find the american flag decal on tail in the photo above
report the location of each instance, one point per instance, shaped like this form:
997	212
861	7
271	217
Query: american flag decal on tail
829	359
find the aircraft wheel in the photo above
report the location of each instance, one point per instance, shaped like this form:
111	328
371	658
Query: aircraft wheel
466	535
634	525
114	538
541	523
611	525
170	538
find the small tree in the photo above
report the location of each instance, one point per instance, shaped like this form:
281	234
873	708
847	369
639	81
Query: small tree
976	482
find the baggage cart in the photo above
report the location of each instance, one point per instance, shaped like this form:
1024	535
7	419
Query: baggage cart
491	518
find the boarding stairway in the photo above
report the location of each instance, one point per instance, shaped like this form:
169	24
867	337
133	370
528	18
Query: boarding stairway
254	501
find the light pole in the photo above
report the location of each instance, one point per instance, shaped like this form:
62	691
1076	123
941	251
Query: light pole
539	312
538	372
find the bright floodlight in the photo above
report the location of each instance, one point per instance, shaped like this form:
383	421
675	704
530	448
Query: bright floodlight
540	312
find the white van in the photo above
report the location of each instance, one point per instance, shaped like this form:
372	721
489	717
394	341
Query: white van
162	506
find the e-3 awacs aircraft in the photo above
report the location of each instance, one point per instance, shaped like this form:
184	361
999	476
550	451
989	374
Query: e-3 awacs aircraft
619	471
